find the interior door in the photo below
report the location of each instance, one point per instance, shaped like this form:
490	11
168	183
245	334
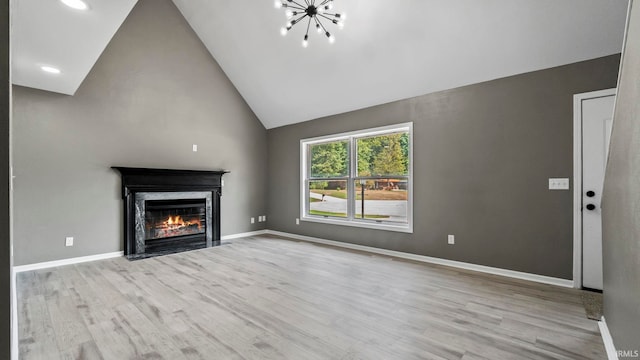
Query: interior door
597	114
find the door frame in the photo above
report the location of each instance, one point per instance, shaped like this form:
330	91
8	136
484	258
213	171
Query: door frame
577	178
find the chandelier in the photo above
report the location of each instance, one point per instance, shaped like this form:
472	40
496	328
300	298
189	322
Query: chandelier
316	14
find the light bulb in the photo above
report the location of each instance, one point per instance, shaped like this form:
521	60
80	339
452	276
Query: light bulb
305	43
332	39
343	16
289	13
289	25
283	31
318	29
277	4
340	24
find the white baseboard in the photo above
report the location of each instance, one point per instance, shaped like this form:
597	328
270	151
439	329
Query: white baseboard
77	260
15	346
241	235
432	260
612	354
71	261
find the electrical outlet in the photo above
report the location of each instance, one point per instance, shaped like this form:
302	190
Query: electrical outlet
195	148
558	183
451	239
68	241
253	220
297	221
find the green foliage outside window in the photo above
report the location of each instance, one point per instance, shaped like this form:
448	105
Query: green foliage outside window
329	159
383	155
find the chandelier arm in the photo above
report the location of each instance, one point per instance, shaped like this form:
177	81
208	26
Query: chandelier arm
324	2
308	24
301	6
307	2
320	23
326	17
294	22
295	7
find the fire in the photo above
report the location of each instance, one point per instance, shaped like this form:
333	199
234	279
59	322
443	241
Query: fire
176	222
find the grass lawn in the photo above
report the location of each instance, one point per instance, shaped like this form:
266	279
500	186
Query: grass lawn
368	194
336	214
382	195
340	194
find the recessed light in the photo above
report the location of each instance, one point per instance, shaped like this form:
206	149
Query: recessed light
76	4
50	69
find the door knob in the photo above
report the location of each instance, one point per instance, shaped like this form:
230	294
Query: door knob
591	193
591	207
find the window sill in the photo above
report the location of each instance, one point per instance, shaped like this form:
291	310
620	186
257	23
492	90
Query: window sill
367	225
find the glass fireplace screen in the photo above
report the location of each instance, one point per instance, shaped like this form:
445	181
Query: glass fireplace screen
173	218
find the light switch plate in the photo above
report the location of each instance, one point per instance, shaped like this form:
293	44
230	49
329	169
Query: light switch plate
195	148
558	183
68	241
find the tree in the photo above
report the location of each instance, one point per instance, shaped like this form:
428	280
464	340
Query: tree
391	159
329	159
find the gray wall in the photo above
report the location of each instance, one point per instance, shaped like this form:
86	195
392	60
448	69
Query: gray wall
621	202
482	158
153	93
5	221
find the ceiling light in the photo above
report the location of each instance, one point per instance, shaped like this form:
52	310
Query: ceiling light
50	69
316	11
76	4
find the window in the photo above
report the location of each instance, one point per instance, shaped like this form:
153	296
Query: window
361	178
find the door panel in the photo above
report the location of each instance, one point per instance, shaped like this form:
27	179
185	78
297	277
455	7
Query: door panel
596	131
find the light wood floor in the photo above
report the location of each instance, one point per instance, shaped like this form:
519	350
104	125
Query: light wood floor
269	298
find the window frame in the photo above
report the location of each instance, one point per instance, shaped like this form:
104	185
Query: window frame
352	176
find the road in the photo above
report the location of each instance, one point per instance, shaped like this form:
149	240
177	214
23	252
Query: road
395	209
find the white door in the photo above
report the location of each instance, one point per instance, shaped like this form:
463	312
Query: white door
597	114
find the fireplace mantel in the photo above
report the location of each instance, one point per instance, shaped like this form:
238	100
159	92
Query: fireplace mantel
148	179
151	180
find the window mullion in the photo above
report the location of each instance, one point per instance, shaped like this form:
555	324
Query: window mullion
350	184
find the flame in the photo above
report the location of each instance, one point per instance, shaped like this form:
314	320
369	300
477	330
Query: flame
176	222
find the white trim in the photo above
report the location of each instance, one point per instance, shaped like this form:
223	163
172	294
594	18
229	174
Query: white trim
577	179
71	261
360	224
241	235
350	221
612	354
15	346
432	260
371	131
78	260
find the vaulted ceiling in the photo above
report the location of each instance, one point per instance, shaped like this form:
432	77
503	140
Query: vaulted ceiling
388	50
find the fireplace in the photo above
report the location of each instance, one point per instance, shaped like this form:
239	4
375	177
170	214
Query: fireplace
167	211
166	219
